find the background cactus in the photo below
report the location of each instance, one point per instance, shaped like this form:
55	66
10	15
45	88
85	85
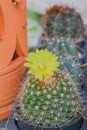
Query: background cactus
68	54
49	104
59	21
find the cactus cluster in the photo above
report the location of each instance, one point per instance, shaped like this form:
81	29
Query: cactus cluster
50	104
59	21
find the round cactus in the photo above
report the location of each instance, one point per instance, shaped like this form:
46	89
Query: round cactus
59	21
48	98
49	104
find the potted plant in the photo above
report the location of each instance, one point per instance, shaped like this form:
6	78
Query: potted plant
48	98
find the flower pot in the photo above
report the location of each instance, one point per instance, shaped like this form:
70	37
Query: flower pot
11	125
4	112
25	126
21	124
13	50
10	79
84	124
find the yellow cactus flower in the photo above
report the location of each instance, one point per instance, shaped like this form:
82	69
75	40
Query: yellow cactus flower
42	64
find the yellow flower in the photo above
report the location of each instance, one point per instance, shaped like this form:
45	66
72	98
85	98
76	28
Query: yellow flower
42	64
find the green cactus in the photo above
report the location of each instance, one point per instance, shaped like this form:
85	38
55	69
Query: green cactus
49	104
59	21
68	54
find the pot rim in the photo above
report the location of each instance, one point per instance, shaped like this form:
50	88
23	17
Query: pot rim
13	66
50	127
12	73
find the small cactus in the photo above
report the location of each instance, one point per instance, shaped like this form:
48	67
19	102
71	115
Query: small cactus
68	54
51	100
59	21
50	104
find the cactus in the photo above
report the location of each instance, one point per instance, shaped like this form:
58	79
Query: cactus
50	104
59	21
68	54
49	101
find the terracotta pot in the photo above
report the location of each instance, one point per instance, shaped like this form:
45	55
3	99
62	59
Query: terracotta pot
13	50
4	112
13	34
9	83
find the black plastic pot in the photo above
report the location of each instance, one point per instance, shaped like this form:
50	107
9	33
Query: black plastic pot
11	125
21	125
84	125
